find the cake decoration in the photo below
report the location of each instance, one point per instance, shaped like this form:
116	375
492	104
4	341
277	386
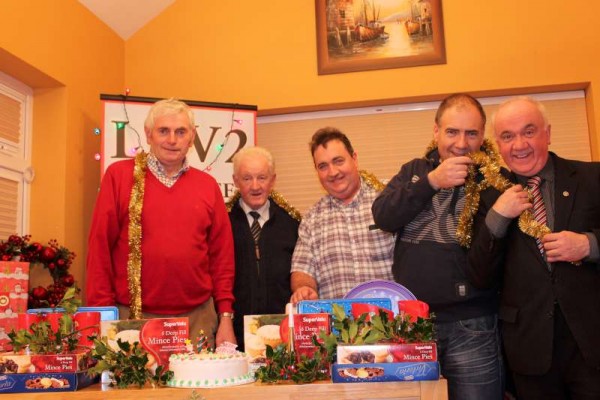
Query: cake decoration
204	368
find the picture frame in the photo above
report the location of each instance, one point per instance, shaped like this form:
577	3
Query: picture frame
394	34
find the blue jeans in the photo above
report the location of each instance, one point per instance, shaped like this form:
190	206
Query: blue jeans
470	358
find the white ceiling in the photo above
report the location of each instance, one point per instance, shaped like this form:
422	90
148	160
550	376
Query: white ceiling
126	17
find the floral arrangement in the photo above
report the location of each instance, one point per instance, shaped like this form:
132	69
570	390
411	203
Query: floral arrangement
54	257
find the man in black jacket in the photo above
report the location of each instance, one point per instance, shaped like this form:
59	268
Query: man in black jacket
264	235
550	304
423	204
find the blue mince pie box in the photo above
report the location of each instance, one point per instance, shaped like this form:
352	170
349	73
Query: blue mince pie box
385	372
44	382
107	313
326	306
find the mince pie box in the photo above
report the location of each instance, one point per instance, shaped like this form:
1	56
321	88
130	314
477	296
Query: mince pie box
77	361
385	372
160	337
386	353
326	306
45	382
263	330
305	327
14	287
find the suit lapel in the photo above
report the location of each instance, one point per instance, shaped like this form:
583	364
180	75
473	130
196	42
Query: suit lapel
565	189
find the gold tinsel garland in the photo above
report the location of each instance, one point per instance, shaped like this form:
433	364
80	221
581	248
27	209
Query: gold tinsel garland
134	261
277	198
487	163
371	180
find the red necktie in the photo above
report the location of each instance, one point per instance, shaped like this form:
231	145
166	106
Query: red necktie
539	210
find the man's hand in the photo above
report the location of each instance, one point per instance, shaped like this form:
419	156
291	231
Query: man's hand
566	246
450	173
304	293
225	332
512	202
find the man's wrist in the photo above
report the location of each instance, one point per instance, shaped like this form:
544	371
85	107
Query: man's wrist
229	315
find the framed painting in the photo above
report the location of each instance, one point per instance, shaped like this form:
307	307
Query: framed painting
362	35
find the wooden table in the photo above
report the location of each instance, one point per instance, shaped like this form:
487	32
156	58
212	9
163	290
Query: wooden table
424	390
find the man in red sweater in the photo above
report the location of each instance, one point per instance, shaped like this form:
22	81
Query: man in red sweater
186	252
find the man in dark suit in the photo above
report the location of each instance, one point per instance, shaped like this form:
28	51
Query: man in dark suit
264	235
550	307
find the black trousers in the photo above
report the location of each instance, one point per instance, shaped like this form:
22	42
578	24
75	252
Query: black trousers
569	378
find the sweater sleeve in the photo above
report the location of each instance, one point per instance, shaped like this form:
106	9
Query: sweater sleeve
104	232
403	198
220	253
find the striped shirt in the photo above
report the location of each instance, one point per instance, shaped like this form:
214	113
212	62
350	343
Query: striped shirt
338	246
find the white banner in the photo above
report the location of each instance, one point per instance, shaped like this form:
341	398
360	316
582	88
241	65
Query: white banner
221	132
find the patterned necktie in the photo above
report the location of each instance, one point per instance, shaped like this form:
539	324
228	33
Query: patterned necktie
255	228
539	209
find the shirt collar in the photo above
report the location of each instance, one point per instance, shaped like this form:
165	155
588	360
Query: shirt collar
355	200
155	165
546	173
262	210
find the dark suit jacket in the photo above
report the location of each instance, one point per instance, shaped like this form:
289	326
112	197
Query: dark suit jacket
266	291
529	290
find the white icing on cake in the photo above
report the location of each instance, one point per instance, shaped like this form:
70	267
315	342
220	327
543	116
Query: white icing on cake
207	370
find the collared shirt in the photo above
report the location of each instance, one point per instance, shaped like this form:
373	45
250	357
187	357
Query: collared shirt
338	246
547	189
262	210
159	171
498	224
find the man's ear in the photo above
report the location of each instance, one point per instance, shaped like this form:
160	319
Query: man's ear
436	132
193	136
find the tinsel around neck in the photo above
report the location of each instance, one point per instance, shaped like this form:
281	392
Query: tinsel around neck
485	173
371	180
277	198
134	260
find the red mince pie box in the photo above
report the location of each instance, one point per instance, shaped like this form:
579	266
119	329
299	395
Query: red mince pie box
305	327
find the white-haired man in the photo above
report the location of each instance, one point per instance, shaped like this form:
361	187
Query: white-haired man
186	250
264	235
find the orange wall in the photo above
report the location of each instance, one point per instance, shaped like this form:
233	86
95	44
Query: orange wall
68	57
264	52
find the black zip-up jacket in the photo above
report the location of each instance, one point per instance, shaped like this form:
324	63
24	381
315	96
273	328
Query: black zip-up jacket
427	257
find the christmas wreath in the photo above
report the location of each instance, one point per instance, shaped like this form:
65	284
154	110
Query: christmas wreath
54	257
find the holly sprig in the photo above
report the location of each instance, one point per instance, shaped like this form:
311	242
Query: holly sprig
369	329
282	364
40	338
127	365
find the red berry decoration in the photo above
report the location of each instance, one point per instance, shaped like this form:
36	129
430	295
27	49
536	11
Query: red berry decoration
68	280
48	254
39	293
